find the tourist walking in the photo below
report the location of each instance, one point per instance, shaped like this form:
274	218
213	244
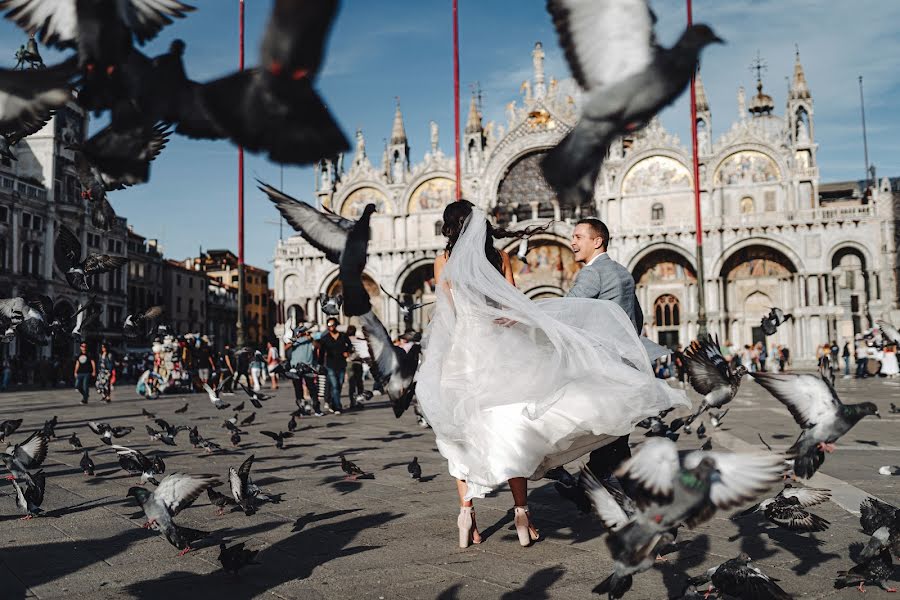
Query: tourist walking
302	360
336	348
845	354
257	368
862	358
85	370
105	369
499	412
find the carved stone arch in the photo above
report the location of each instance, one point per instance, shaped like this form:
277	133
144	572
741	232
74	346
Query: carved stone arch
658	247
771	152
386	206
777	245
634	159
412	192
850	247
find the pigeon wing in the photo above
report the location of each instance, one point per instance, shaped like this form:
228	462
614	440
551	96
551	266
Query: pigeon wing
609	511
179	490
151	313
244	470
327	233
889	330
806	496
811	399
147	17
742	477
42	304
654	467
706	366
66	249
32	452
604	41
385	358
55	22
234	481
270	434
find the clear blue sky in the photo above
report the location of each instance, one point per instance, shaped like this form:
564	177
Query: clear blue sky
379	50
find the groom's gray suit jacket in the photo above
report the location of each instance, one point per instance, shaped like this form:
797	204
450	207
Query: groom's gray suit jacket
605	279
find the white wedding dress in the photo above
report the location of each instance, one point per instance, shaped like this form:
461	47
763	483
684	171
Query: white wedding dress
570	375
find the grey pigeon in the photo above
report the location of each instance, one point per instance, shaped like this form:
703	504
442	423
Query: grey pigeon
772	321
414	469
739	578
12	313
50	427
815	406
874	514
331	305
656	427
292	424
219	500
74	442
21	458
786	509
236	557
701	431
214	394
108	432
86	464
67	255
210	446
627	78
353	263
182	410
135	324
239	407
8	427
161	436
278	437
352	471
889	331
711	375
715	419
274	107
235	438
117	158
392	367
30	498
248	420
29	96
194	436
136	463
894	409
174	493
876	570
240	486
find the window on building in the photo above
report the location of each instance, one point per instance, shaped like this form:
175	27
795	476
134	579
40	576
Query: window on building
438	226
3	266
4	214
26	220
666	311
265	300
178	304
37	223
255	299
178	280
234	279
747	205
191	282
657	212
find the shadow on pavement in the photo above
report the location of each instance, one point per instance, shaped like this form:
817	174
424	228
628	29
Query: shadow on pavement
537	586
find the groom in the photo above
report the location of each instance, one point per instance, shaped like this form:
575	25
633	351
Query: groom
604	279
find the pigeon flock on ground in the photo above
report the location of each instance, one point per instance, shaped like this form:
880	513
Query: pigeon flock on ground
273	108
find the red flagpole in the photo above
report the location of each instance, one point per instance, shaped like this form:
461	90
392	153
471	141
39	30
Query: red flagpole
456	95
701	293
241	339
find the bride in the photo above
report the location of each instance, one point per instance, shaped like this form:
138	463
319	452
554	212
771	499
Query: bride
514	387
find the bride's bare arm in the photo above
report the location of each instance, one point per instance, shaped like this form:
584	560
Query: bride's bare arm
507	268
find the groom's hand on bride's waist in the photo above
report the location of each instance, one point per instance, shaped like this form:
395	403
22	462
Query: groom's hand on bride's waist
504	322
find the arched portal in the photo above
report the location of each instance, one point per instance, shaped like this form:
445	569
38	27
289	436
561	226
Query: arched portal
417	287
852	286
665	274
372	288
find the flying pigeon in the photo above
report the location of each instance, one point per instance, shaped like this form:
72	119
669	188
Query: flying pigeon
182	410
67	254
408	306
236	557
85	317
214	394
74	442
771	322
876	570
414	469
134	323
738	577
107	432
174	493
172	430
21	458
786	509
30	499
278	437
219	500
875	514
136	463
697	483
28	97
353	472
353	263
8	427
255	397
38	320
86	464
12	313
274	107
20	129
331	305
240	486
711	375
715	419
113	159
627	78
656	427
161	436
392	367
815	406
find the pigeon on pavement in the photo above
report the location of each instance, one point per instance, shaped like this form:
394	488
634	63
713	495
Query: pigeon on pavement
414	469
785	509
240	486
711	375
182	410
353	472
771	322
136	463
67	255
50	427
30	498
174	493
236	557
292	424
219	500
815	406
738	577
278	437
715	419
107	432
627	78
248	420
75	442
161	436
876	570
86	464
274	107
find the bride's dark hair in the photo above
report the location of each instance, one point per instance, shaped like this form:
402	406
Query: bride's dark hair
455	215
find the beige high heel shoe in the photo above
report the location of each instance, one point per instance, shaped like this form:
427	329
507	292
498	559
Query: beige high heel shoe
524	529
468	534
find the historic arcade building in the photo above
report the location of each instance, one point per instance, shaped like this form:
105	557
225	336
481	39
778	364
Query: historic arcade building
773	235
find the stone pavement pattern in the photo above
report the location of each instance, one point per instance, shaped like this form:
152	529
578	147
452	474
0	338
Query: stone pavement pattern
388	537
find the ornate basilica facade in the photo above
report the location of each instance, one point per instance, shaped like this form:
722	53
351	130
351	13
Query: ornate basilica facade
773	235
